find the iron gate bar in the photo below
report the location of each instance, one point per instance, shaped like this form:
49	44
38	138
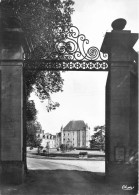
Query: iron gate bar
66	65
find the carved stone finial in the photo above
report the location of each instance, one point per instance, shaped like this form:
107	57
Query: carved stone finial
119	24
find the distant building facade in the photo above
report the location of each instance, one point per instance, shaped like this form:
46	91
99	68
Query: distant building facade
48	140
76	134
40	134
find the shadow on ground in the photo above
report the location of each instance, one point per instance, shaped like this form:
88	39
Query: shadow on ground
67	182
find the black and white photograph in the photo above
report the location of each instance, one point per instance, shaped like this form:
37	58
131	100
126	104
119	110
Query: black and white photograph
69	97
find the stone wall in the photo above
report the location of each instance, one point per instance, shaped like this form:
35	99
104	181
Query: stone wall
11	100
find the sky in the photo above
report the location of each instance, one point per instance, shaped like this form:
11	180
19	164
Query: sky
83	96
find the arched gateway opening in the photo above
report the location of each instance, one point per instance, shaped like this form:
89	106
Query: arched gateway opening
69	55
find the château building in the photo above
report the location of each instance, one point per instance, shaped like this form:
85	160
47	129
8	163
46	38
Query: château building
76	134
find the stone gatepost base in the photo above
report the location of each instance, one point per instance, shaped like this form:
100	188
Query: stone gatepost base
11	172
122	174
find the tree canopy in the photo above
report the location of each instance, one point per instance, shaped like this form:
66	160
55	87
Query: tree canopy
40	21
31	111
31	138
98	138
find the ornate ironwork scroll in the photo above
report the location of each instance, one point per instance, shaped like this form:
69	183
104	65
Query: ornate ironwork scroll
72	53
73	48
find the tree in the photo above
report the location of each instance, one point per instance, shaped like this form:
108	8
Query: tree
98	139
32	125
63	147
40	22
31	138
30	111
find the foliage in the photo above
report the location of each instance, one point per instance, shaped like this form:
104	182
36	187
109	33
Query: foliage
71	147
63	147
31	111
98	139
32	125
40	22
31	138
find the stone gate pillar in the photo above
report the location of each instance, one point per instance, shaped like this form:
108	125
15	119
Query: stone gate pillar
11	99
121	96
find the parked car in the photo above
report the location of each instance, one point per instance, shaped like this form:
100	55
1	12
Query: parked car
44	151
83	154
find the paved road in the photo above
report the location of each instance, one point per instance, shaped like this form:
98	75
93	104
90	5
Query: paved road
44	179
80	165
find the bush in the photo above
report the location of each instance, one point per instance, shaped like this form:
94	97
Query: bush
63	147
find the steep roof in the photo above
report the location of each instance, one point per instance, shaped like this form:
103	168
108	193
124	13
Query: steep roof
58	134
75	126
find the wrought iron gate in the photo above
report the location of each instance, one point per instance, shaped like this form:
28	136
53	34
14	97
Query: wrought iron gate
71	54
